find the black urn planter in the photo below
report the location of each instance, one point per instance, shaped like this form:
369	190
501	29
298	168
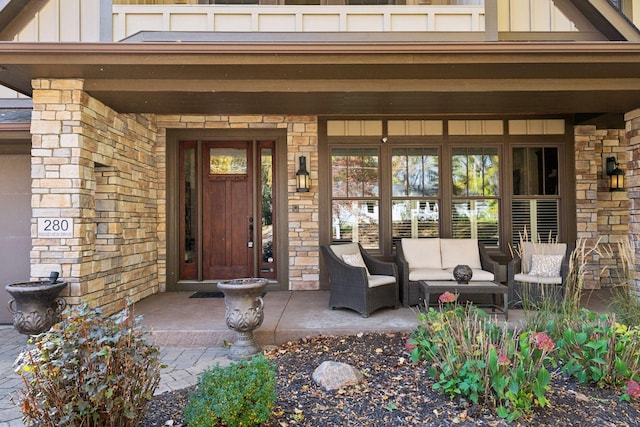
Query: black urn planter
36	306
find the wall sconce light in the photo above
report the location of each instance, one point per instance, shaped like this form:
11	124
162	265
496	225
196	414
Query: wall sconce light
616	175
303	182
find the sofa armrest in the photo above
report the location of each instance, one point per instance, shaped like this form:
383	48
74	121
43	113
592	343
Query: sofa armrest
403	274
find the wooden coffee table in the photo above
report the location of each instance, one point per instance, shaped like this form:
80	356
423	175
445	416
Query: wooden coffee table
478	287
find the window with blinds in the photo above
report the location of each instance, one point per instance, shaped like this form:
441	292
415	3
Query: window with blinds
355	196
475	204
415	187
535	202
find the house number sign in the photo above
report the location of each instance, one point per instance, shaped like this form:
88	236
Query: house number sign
55	227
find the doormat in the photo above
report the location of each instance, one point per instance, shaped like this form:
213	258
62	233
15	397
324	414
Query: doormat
214	294
207	294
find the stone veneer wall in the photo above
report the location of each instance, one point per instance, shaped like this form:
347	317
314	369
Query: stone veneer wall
302	139
632	179
602	216
104	170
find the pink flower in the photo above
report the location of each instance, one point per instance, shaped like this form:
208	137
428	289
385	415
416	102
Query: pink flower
544	342
409	345
633	389
447	297
503	360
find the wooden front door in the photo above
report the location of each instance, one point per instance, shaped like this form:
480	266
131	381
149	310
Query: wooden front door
227	220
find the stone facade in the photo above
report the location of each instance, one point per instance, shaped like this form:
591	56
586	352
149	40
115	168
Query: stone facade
633	183
302	139
104	171
602	215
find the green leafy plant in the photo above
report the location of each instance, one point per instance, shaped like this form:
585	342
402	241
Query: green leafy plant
473	358
240	395
595	348
89	370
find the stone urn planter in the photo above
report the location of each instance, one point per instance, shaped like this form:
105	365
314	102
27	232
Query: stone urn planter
36	305
243	313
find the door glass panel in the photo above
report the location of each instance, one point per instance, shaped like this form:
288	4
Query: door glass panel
267	258
190	213
228	161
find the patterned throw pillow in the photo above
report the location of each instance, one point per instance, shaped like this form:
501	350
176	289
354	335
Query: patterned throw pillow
356	261
546	265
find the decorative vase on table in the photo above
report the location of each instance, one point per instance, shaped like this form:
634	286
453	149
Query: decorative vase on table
462	273
244	312
36	306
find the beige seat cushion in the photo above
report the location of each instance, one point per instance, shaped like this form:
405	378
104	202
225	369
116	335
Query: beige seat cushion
422	253
479	275
543	280
460	252
379	280
416	274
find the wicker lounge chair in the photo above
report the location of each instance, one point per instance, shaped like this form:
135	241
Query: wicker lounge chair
531	279
361	283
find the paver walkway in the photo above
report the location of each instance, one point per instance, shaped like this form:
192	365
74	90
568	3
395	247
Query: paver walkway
183	367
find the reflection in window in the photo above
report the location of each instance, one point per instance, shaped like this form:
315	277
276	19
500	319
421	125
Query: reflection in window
535	171
415	186
355	190
356	221
189	173
535	210
475	172
414	172
228	161
267	261
475	212
415	218
476	219
355	172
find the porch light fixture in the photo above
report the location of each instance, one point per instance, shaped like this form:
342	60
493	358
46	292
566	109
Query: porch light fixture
303	182
616	175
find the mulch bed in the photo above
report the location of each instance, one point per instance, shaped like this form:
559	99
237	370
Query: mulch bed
396	392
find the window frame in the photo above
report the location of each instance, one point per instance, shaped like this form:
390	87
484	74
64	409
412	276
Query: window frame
445	144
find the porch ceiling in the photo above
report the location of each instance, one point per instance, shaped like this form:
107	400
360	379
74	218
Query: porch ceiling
339	78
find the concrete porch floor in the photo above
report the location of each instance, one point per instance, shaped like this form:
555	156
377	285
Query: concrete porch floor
175	320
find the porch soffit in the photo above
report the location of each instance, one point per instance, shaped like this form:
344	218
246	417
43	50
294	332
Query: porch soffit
339	78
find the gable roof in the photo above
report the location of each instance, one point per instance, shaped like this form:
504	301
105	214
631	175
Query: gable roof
608	19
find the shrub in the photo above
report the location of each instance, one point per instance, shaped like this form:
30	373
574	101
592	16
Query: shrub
240	395
474	359
89	370
594	348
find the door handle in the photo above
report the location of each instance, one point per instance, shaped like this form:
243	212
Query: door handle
250	242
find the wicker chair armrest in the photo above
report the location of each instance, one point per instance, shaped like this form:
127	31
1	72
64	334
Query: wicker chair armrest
487	263
342	273
377	266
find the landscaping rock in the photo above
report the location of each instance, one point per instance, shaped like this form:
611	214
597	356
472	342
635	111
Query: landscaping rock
334	375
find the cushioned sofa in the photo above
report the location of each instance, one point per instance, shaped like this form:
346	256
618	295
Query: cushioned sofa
435	259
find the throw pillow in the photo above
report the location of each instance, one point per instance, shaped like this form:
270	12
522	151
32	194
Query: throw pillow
546	265
356	261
